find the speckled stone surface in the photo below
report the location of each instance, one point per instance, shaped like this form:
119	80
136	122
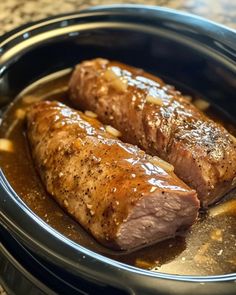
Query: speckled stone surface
17	12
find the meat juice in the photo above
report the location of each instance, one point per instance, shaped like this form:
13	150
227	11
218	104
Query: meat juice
208	248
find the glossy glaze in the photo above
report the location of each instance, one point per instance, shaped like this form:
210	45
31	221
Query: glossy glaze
202	151
105	183
174	254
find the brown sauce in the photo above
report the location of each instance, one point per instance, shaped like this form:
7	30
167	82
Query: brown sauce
208	248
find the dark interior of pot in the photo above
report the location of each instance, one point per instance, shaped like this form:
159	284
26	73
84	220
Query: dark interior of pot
167	51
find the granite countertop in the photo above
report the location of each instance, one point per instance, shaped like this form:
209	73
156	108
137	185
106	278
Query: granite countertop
17	12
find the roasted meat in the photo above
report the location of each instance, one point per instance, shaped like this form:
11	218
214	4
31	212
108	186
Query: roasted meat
161	121
114	190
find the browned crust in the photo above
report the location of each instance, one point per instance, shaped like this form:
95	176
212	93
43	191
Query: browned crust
92	175
201	150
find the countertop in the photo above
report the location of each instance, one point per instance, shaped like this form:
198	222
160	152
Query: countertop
17	12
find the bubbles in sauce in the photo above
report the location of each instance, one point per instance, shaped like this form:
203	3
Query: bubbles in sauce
208	248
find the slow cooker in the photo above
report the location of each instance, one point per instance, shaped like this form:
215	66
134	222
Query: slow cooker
187	50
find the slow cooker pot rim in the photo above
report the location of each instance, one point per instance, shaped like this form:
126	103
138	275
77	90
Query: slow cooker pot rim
200	23
170	14
216	31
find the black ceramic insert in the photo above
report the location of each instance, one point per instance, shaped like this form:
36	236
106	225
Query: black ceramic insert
193	53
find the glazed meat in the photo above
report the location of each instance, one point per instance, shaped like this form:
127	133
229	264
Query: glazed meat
161	121
114	190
